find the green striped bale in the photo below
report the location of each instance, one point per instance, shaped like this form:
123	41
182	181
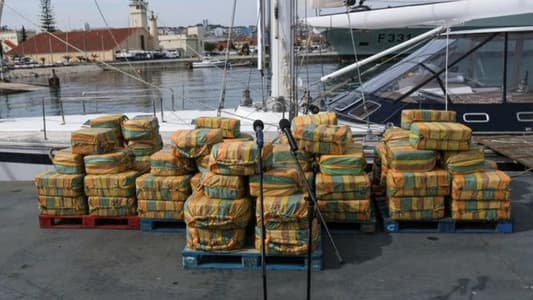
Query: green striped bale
163	188
115	162
203	212
231	128
89	141
54	184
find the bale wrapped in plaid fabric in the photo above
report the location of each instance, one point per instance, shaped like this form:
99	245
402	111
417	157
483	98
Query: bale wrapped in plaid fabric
323	139
342	187
239	158
481	210
410	116
352	162
115	162
231	128
51	183
163	188
287	242
154	209
395	133
196	181
418	184
464	162
144	147
277	182
224	186
111	121
112	206
140	127
89	141
196	142
111	185
490	165
401	156
141	164
166	163
66	162
63	206
482	186
214	240
345	211
243	137
440	136
326	118
286	212
203	212
202	163
282	158
416	208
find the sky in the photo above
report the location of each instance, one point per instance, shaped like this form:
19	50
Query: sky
73	14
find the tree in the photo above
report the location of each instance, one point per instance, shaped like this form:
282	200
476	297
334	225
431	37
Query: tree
24	34
47	16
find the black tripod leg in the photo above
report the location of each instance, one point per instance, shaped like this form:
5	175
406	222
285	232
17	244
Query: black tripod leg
310	217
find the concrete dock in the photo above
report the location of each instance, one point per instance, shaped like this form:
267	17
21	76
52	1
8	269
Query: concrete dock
98	264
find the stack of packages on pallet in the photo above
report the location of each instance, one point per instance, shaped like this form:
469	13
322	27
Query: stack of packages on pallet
141	135
161	194
110	182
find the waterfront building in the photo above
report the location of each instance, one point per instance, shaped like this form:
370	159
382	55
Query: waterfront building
188	44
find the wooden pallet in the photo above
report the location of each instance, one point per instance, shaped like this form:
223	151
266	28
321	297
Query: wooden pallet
364	227
61	222
163	225
89	222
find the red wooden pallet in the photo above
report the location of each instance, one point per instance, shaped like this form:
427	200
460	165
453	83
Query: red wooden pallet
62	222
89	222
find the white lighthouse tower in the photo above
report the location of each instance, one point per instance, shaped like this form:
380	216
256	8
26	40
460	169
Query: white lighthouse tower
139	14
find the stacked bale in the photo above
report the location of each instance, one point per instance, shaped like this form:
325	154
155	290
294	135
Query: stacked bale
142	138
111	121
61	194
161	194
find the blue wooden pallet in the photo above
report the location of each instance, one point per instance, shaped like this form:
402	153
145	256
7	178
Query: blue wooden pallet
162	225
248	259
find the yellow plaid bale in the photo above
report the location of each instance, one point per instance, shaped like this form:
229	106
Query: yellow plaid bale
54	184
418	184
356	187
401	156
215	240
243	137
111	121
66	162
115	162
111	185
327	118
287	212
487	185
287	242
481	210
343	211
416	208
277	182
410	116
204	212
323	139
395	133
202	163
63	206
140	127
160	209
144	147
196	142
239	158
231	128
196	181
490	165
224	186
88	141
282	158
440	136
112	206
464	162
142	164
352	162
166	163
163	188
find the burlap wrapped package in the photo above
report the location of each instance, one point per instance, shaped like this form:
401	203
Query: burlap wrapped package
160	209
111	185
215	240
401	156
63	206
418	184
481	210
345	211
286	212
115	162
202	163
204	212
395	133
322	139
440	136
277	182
287	242
60	185
89	141
326	118
482	186
166	163
196	181
140	127
111	121
282	158
342	187
224	186
196	142
163	188
142	164
243	137
112	206
416	208
144	147
66	162
410	116
239	158
353	163
464	162
231	128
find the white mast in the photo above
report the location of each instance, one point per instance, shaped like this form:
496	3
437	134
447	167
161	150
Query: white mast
280	49
1	44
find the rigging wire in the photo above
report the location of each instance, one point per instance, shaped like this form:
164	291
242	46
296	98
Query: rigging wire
446	68
223	89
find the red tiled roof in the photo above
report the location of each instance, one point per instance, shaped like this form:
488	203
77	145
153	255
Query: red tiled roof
92	40
10	44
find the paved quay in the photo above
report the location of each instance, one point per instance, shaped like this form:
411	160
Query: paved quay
98	264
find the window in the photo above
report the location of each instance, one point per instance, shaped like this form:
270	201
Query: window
476	118
360	112
526	116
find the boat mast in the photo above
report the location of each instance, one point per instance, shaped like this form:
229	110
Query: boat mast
1	45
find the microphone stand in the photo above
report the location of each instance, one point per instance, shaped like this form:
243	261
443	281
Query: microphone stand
260	142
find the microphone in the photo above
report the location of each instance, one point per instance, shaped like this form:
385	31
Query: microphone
285	126
258	128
